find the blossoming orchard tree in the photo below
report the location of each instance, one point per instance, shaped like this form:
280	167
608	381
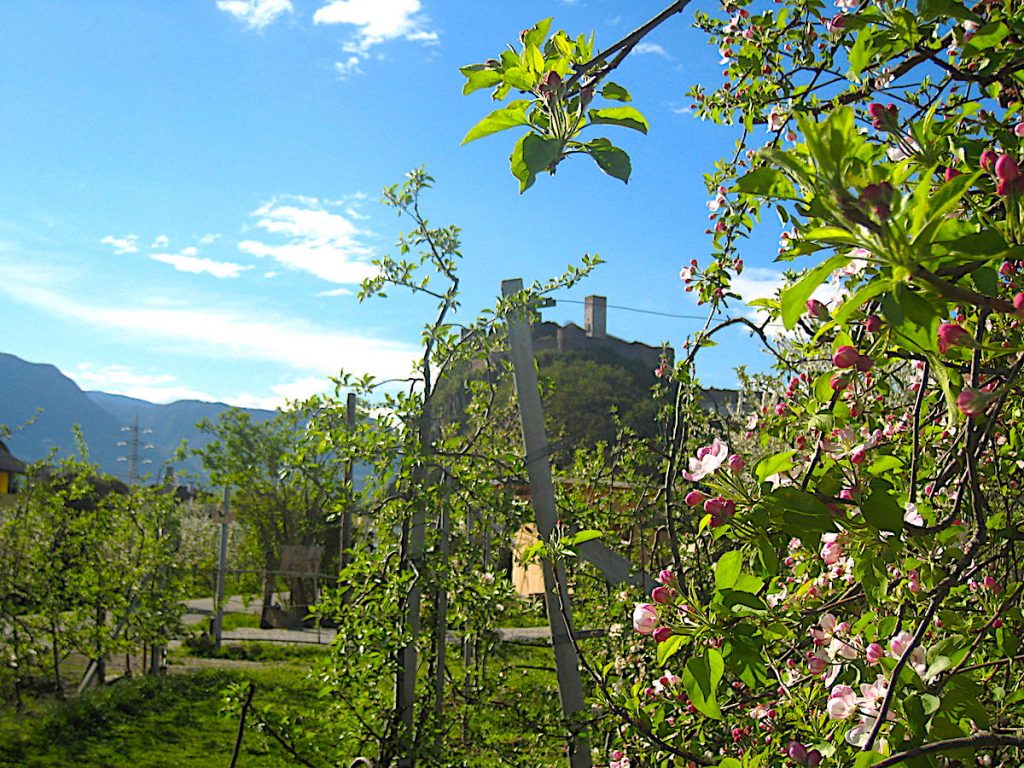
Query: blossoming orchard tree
845	582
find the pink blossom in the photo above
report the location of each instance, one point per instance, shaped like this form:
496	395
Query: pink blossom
1007	168
1018	303
972	403
736	463
831	551
694	499
660	595
776	120
817	310
845	357
665	576
708	459
875	653
842	702
1018	130
899	644
661	634
645	618
952	335
988	159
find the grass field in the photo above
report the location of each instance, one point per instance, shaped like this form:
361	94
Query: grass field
179	720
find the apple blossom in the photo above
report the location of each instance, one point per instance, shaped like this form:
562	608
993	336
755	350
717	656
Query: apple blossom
708	459
842	702
845	357
645	618
952	335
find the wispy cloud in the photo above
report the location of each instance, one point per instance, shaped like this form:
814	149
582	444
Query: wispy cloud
283	393
161	241
222	333
124	380
312	236
122	245
255	14
650	48
374	22
187	261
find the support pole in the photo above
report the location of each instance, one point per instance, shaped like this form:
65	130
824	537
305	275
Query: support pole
222	568
345	532
542	496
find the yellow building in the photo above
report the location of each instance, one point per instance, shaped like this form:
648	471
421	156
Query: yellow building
10	467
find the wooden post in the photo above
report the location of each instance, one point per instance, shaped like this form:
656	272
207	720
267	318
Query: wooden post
542	496
222	568
345	533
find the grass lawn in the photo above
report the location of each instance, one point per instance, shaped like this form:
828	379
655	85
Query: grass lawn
164	722
178	720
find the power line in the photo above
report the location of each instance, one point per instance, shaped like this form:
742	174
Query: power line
648	311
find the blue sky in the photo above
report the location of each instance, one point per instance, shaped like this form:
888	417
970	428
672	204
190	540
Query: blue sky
189	191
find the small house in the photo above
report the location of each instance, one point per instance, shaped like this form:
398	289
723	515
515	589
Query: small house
10	467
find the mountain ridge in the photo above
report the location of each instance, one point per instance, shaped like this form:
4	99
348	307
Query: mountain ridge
41	405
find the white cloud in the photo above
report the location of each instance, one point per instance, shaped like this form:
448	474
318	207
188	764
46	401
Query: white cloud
123	380
336	292
318	240
283	393
763	283
220	333
255	14
161	241
187	261
209	238
648	48
374	22
122	245
348	67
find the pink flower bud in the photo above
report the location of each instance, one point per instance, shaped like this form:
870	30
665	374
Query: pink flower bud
797	752
859	456
661	634
645	618
813	758
988	159
817	310
989	583
952	173
875	653
972	403
865	363
1018	303
952	335
694	499
665	576
1007	169
873	324
660	595
1018	130
997	623
736	463
845	357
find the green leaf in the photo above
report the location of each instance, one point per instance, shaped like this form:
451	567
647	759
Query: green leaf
988	36
863	295
861	51
626	117
519	78
772	465
728	569
510	116
609	158
531	155
881	509
581	536
731	598
533	59
943	8
615	92
700	678
884	464
867	759
801	513
795	296
479	78
535	35
669	648
766	182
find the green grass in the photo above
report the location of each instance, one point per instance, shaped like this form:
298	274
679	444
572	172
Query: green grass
177	720
161	722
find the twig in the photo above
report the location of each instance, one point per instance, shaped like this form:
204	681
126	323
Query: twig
974	741
241	725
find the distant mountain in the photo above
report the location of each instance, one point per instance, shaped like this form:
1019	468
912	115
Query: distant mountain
107	421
